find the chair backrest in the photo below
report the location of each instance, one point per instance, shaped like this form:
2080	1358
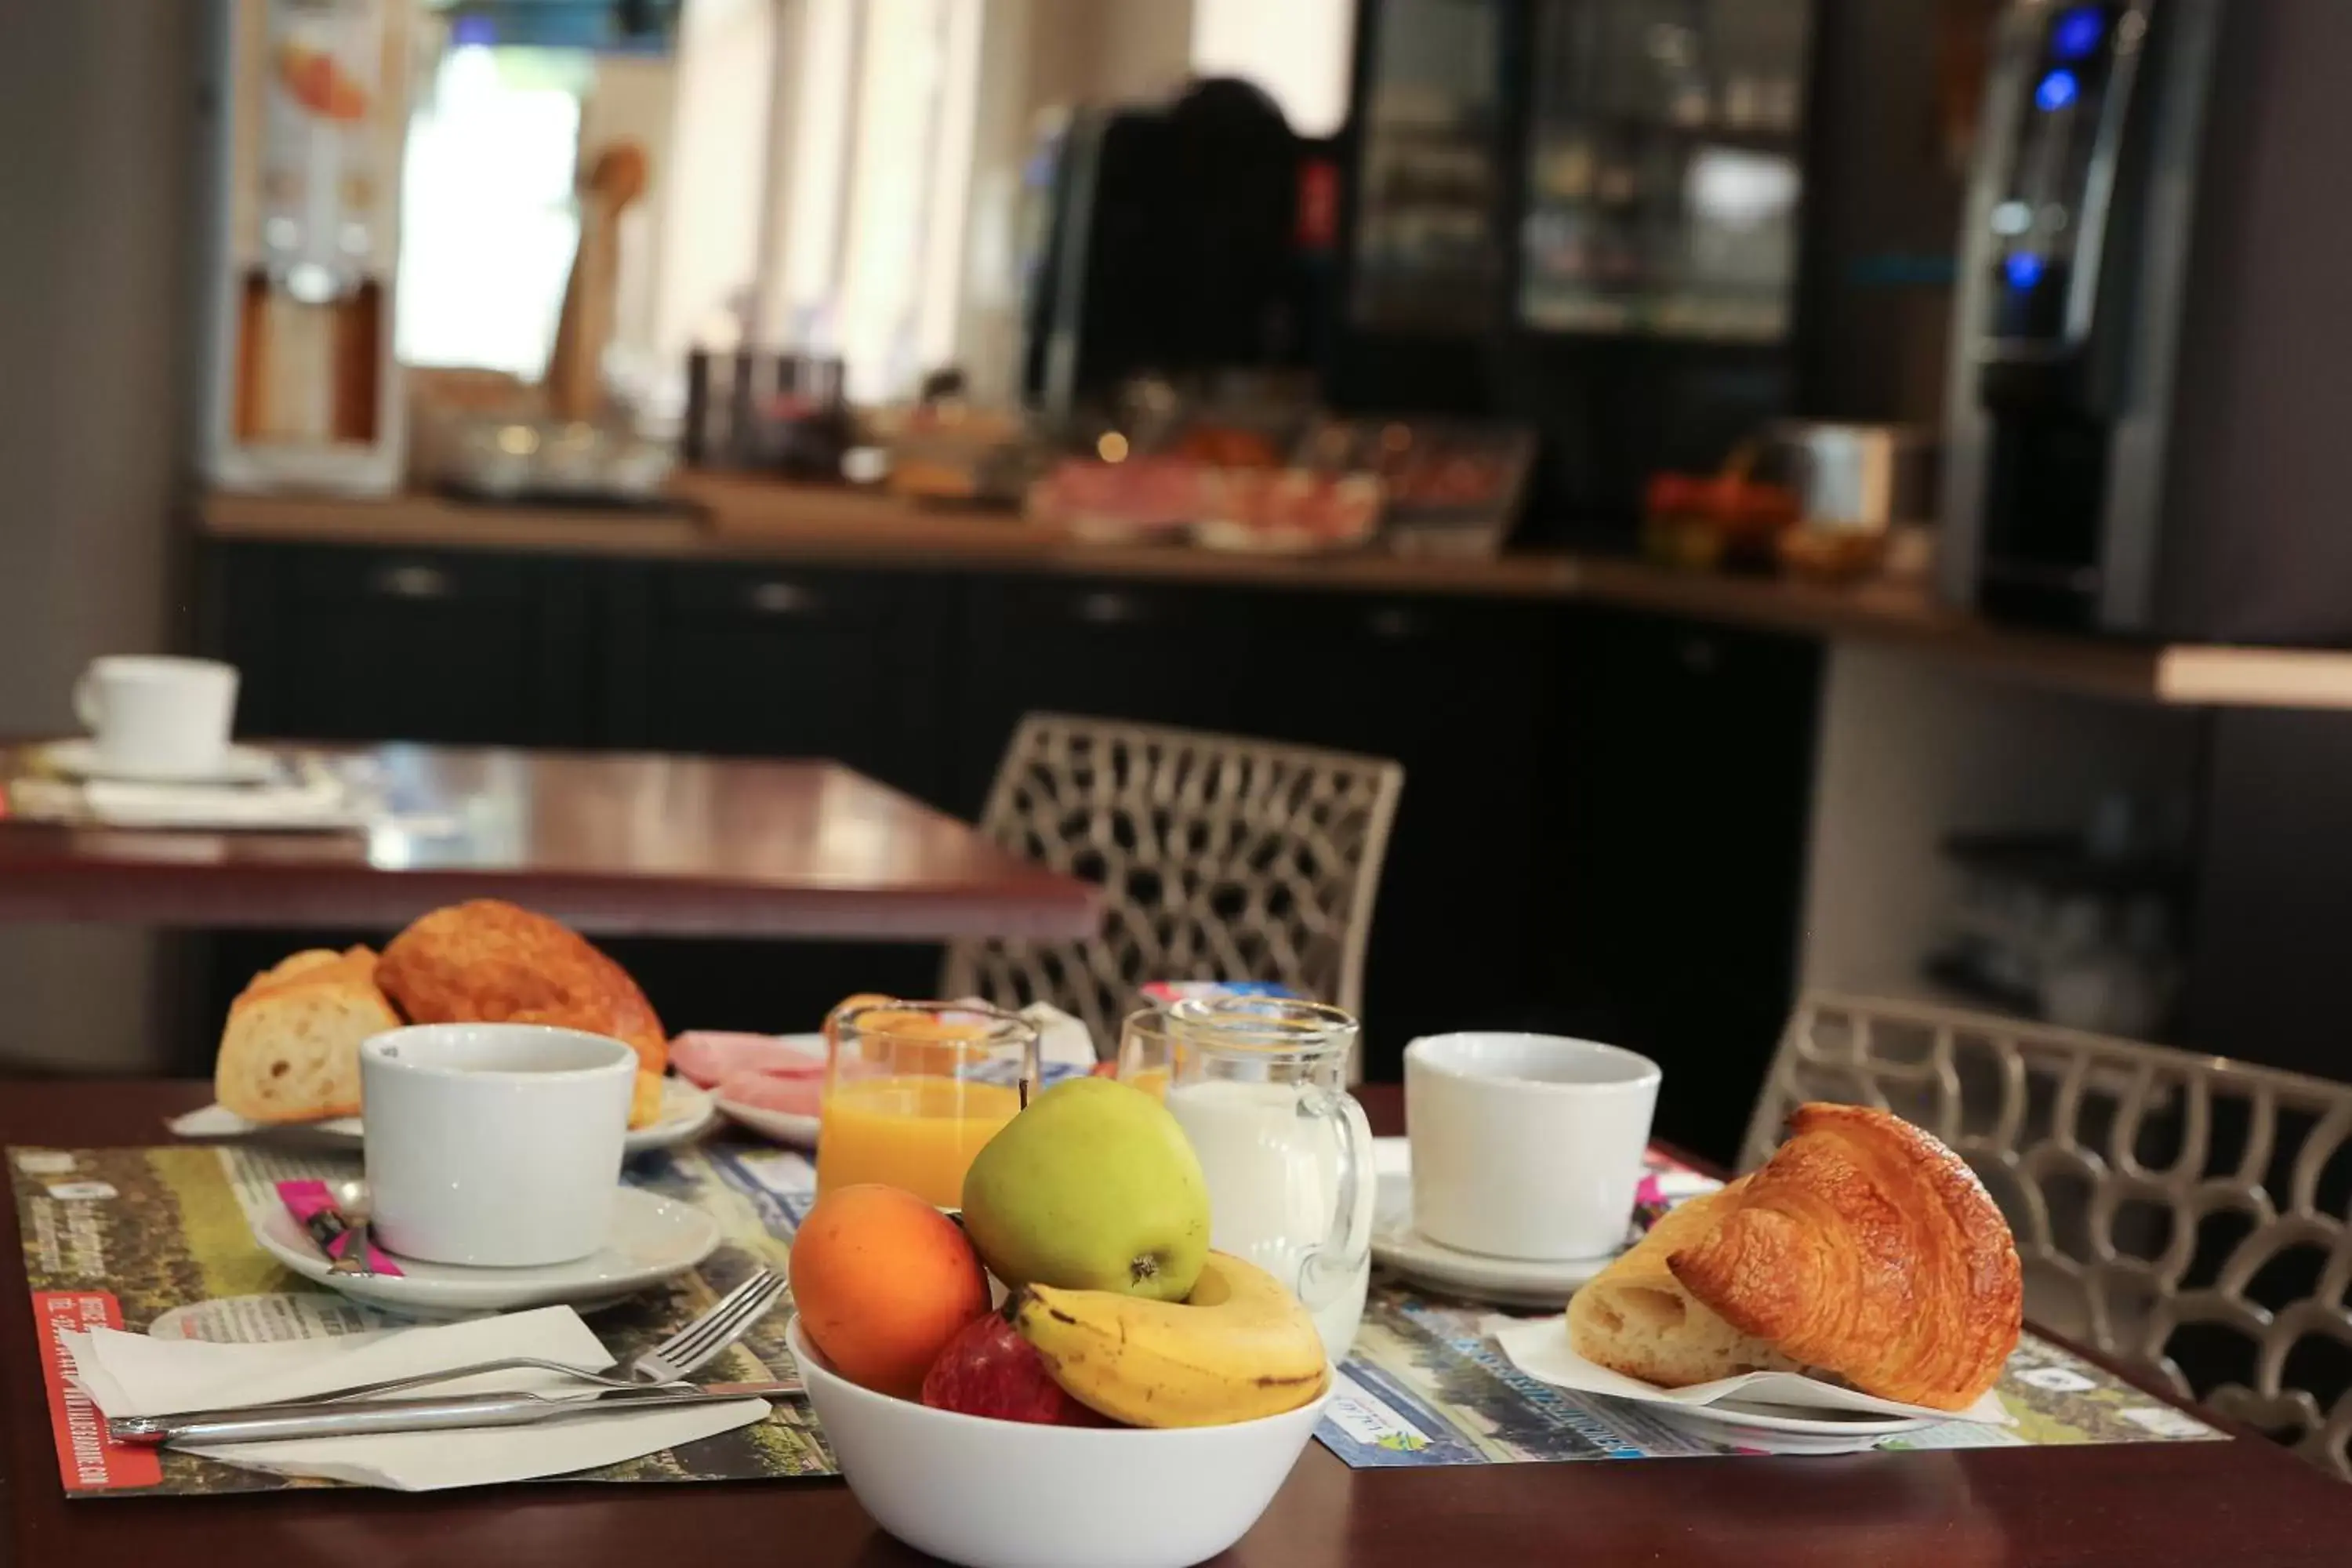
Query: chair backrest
2179	1213
1222	859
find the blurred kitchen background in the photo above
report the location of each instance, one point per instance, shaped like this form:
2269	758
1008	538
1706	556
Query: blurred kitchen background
1819	492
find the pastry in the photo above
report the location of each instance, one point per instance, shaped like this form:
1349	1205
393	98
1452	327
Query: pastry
1636	1318
491	962
290	1051
1866	1248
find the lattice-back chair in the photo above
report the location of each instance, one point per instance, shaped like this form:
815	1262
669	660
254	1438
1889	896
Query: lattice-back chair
1221	858
2183	1214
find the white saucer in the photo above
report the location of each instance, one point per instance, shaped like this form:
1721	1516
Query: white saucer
685	1111
78	758
1778	1429
794	1131
652	1239
1505	1281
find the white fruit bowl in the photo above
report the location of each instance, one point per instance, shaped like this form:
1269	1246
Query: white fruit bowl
1008	1494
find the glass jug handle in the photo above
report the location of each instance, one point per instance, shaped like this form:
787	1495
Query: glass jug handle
1335	1265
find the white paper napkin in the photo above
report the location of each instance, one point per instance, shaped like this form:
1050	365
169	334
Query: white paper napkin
1540	1347
315	803
133	1375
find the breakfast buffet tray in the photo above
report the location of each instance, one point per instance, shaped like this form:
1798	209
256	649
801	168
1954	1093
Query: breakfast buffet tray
158	1240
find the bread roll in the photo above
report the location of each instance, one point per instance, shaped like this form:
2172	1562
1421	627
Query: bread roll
1635	1317
490	962
1865	1248
290	1051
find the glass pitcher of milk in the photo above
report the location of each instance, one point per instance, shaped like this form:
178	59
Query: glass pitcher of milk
1258	1084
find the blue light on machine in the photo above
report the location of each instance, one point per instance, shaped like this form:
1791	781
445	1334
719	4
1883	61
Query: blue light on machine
2075	35
2057	90
2023	270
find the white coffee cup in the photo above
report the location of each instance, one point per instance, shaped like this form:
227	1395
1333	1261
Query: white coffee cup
496	1145
1526	1146
158	717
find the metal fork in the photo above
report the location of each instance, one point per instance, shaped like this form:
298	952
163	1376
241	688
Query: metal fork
728	1320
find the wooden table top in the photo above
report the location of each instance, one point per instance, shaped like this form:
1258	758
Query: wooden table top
616	844
2145	1505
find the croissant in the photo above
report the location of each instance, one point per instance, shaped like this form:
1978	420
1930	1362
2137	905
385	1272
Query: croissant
1636	1318
1866	1248
490	962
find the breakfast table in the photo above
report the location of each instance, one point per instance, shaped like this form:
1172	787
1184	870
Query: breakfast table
2239	1501
614	844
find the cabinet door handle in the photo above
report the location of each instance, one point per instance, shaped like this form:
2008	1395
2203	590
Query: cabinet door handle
1107	609
777	597
411	580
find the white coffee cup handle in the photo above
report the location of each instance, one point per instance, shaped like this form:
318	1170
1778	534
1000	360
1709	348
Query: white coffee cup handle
1334	1265
89	707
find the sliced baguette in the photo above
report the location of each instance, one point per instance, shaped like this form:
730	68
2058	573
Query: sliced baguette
1636	1318
290	1051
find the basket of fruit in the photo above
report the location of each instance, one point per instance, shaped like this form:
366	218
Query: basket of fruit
1067	1374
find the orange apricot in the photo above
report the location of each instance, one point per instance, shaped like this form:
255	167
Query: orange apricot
883	1280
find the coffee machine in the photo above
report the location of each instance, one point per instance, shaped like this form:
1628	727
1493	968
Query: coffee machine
2150	413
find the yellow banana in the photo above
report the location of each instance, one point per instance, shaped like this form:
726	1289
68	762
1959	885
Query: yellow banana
1239	1348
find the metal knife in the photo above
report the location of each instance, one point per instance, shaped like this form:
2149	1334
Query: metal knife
271	1423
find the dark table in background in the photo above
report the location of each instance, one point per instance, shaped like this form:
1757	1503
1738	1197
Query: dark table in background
2148	1505
615	843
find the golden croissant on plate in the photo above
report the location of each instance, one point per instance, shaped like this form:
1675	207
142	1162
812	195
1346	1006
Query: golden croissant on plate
1864	1249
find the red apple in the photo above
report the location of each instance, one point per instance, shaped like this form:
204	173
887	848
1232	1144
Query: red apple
988	1369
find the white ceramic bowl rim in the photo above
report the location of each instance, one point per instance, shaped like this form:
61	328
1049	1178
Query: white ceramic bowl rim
384	1048
812	1365
1638	1071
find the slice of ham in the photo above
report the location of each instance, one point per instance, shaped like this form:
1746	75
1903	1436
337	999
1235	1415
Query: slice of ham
798	1094
712	1059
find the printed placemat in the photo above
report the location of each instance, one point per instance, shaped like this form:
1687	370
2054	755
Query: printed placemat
158	1241
1426	1386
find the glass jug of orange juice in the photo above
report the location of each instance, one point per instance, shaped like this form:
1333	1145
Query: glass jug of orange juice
912	1090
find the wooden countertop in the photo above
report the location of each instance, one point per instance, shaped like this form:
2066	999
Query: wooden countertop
726	518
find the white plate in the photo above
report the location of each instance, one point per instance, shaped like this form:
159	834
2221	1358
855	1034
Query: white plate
1777	1429
799	1132
1505	1281
652	1239
78	759
685	1111
794	1131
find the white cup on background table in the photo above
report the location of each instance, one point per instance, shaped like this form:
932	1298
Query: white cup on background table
1526	1146
494	1145
152	716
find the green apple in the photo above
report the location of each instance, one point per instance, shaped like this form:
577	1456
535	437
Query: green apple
1093	1187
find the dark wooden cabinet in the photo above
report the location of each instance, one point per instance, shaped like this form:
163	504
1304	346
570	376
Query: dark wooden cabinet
1675	845
1468	695
1146	653
1604	813
448	645
761	661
